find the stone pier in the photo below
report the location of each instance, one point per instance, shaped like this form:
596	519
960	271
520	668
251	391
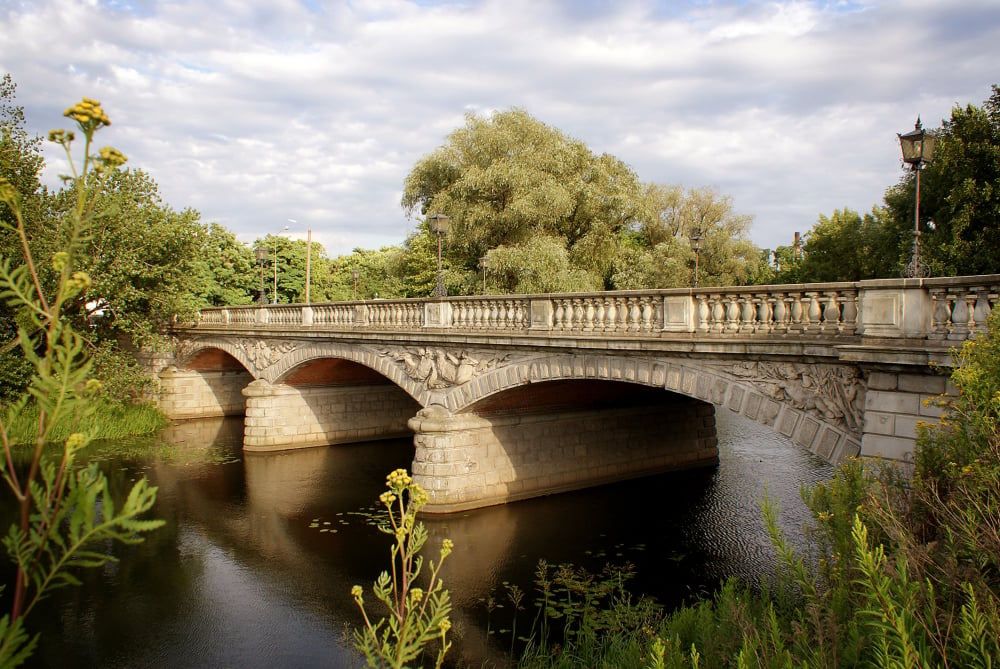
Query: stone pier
280	416
468	461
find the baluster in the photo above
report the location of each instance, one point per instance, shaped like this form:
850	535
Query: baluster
718	322
588	315
970	301
747	313
733	315
850	314
940	314
814	314
763	314
599	315
778	313
703	314
796	312
831	315
959	318
647	314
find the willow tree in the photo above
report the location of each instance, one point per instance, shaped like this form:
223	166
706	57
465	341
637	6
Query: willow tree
507	178
662	253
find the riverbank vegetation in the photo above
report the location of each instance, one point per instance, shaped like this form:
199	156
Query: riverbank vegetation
66	516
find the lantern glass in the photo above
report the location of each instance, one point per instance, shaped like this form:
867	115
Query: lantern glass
917	146
261	253
440	224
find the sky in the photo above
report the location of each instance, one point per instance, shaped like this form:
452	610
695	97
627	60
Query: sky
310	113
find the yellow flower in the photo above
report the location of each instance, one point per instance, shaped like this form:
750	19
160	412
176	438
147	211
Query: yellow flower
93	386
76	441
416	595
356	592
446	547
387	498
444	625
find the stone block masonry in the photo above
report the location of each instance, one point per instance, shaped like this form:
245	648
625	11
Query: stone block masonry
894	403
281	417
202	394
468	461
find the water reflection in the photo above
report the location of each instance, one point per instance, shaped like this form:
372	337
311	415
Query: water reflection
255	566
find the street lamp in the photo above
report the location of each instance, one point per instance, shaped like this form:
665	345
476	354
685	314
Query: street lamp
484	262
275	294
696	240
918	150
439	224
261	253
355	273
309	245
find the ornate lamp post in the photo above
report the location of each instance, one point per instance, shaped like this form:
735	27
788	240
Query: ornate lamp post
261	253
484	262
918	150
696	241
440	224
275	293
355	274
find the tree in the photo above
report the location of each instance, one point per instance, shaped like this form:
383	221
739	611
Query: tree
507	178
846	247
672	217
959	195
540	265
227	272
20	165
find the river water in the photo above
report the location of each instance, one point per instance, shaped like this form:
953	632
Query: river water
255	565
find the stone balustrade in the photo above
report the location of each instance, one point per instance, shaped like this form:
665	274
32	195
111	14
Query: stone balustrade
946	309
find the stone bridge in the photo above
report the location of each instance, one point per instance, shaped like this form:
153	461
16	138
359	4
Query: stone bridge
515	396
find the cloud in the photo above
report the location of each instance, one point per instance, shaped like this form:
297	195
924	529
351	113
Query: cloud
254	113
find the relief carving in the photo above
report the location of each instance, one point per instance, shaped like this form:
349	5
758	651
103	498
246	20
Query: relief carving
262	354
830	391
438	368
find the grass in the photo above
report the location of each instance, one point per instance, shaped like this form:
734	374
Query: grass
110	419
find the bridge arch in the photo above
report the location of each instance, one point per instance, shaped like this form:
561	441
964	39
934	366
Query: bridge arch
816	406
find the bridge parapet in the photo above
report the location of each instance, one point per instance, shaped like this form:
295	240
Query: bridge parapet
945	309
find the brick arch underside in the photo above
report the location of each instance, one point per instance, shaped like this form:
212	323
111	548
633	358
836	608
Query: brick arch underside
300	356
829	440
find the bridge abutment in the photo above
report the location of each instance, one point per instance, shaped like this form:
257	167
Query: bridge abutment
467	461
188	394
280	416
894	404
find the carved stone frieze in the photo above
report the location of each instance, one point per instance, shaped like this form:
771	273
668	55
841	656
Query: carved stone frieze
830	391
262	354
439	368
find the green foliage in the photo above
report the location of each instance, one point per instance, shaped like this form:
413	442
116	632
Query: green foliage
540	265
507	178
847	247
66	515
416	617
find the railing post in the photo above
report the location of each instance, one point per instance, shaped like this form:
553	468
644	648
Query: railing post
361	315
437	314
891	310
679	313
262	316
541	313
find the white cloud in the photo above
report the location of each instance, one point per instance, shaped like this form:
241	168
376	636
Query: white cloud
256	112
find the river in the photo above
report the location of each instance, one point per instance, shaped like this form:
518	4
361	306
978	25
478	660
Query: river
255	565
